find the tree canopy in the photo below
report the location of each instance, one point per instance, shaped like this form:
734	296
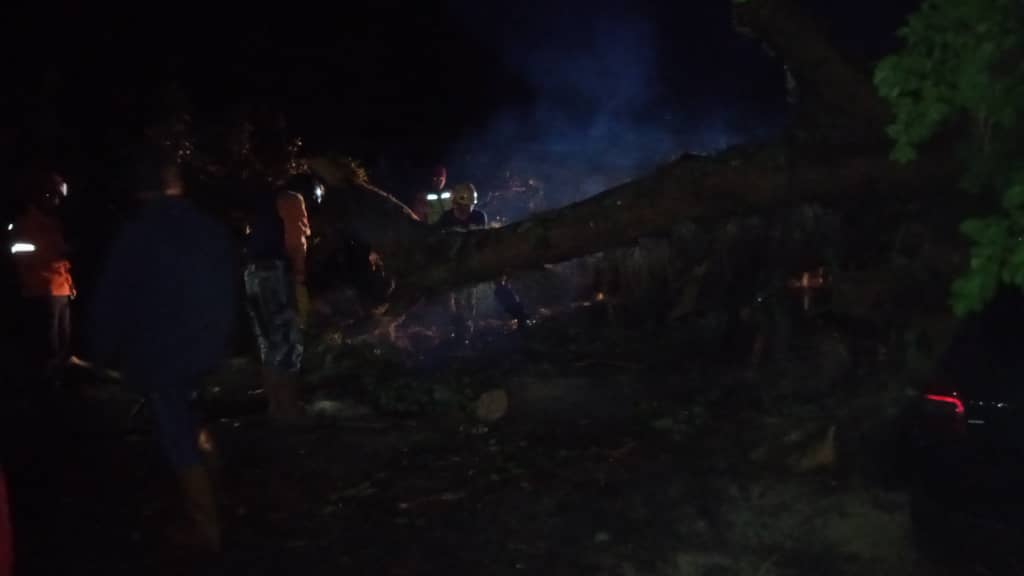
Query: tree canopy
962	67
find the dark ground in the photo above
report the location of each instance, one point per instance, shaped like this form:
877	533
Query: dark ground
616	457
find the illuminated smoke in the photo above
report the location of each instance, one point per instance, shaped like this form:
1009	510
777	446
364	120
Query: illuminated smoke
599	115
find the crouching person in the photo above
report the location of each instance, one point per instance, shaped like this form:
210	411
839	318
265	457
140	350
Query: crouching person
464	216
163	313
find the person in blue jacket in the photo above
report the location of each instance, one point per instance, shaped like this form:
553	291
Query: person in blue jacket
163	313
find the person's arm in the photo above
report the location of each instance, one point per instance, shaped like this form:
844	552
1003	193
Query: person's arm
292	209
307	230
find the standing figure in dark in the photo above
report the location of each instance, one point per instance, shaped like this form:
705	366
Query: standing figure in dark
164	313
270	283
464	216
44	273
430	204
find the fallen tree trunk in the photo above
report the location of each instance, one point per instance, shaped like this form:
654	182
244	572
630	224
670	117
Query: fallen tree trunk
691	188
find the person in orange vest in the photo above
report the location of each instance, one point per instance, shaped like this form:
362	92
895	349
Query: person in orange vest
430	204
44	274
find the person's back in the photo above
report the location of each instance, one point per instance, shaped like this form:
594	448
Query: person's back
166	299
39	246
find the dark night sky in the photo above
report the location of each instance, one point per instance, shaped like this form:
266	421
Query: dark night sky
405	84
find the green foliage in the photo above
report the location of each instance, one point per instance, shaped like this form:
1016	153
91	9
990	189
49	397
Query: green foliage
962	62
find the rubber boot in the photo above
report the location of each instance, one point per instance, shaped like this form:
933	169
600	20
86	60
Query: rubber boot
201	505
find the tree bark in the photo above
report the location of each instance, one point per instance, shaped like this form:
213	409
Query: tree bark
424	259
833	96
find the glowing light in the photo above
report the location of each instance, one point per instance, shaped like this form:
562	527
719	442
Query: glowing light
957	404
64	189
319	193
22	247
432	197
446	195
10	227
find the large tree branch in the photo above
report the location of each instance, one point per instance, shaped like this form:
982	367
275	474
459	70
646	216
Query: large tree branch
691	188
687	189
831	91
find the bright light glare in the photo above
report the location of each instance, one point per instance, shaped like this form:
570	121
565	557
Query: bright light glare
319	192
21	247
446	195
64	189
432	197
10	227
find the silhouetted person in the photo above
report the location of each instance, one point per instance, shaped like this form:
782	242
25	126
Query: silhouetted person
44	273
270	282
465	216
164	311
431	203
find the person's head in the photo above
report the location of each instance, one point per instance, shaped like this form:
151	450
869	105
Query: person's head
464	198
439	177
310	188
47	189
158	174
270	151
170	177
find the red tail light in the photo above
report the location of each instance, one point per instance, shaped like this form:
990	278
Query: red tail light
942	395
958	405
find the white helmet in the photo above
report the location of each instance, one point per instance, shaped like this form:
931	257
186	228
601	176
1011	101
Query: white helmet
464	194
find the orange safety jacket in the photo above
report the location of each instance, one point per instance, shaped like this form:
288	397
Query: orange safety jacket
43	270
292	210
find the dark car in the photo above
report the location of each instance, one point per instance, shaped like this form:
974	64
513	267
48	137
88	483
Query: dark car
968	441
